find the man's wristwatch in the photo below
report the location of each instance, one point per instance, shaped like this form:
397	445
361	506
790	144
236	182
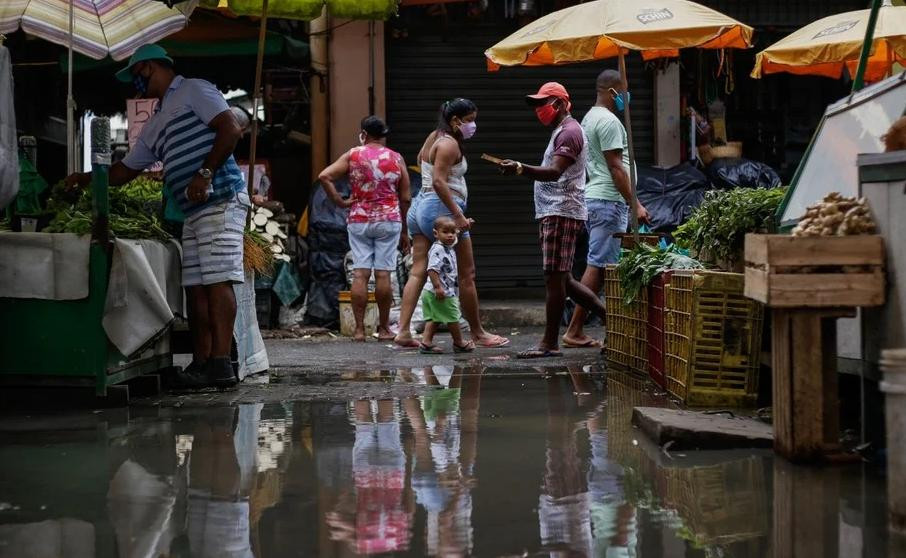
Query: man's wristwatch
206	173
519	168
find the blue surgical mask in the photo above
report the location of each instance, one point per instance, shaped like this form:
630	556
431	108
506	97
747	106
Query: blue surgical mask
621	100
141	84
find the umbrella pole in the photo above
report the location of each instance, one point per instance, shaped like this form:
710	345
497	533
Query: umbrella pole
253	147
859	79
627	122
70	101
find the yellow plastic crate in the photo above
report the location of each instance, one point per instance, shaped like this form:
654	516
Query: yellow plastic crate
627	331
713	340
723	503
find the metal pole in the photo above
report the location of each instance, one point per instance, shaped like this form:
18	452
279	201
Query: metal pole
633	206
371	67
859	79
70	100
253	147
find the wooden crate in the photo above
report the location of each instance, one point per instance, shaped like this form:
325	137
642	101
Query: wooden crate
815	272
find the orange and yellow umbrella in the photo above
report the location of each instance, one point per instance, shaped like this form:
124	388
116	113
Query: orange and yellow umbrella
603	28
833	44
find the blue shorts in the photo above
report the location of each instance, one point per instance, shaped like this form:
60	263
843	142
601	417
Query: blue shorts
374	245
605	218
426	208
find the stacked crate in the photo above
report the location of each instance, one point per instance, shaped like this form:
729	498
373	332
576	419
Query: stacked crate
712	339
627	325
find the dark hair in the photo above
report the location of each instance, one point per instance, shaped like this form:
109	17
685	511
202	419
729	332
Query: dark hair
608	79
444	221
375	127
457	108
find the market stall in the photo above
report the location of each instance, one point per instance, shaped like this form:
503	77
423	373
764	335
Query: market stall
84	308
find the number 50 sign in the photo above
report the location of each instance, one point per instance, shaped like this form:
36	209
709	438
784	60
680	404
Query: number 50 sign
138	111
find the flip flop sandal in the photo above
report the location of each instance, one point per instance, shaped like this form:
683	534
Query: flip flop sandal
539	353
407	344
590	344
429	349
467	348
498	343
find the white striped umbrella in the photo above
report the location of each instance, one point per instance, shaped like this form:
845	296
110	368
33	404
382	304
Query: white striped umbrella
95	28
100	27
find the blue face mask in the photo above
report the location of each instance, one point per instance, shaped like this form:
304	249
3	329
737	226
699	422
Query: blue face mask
621	100
141	84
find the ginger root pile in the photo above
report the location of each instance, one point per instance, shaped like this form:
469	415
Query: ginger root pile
837	216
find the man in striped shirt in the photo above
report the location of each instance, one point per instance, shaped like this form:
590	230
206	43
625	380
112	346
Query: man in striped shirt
194	133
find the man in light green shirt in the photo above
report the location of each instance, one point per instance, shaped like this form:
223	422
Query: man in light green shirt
607	193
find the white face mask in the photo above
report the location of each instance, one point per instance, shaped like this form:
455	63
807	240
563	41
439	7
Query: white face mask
468	129
362	138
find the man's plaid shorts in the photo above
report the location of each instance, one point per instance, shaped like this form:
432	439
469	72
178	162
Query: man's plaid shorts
558	242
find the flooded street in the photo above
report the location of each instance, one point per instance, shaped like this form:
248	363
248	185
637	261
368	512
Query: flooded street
537	462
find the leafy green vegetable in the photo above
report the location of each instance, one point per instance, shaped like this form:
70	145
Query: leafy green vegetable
716	231
638	267
134	210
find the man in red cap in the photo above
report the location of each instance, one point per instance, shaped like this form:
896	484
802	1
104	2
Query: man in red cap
559	208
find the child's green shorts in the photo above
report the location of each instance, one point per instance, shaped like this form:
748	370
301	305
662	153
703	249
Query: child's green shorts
444	311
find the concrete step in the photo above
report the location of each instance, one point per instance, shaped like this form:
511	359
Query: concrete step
512	313
690	430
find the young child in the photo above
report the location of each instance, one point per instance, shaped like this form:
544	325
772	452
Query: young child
442	305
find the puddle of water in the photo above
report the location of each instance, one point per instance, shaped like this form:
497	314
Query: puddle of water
543	465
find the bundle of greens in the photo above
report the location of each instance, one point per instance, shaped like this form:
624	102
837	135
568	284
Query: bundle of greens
716	231
134	210
639	266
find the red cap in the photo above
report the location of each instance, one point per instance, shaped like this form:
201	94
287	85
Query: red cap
548	90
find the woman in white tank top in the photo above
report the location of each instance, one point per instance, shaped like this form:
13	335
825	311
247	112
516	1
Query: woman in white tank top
444	193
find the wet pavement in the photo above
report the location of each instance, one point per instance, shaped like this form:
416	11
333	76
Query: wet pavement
465	458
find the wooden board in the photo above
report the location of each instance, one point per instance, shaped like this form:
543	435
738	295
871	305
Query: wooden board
805	390
815	272
815	290
785	250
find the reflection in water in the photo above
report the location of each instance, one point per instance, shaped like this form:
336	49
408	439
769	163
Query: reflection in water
563	473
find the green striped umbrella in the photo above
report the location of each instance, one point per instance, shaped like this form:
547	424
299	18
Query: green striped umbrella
95	28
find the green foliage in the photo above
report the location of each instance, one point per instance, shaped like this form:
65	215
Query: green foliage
639	266
134	210
716	231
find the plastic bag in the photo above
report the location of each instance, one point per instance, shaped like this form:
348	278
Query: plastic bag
730	173
670	195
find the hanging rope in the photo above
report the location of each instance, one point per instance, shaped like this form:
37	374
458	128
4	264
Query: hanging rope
730	85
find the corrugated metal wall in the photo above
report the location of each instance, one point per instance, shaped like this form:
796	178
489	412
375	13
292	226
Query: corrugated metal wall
430	66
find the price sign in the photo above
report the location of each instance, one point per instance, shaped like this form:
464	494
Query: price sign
138	111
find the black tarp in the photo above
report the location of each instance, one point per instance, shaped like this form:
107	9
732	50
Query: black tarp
328	242
671	194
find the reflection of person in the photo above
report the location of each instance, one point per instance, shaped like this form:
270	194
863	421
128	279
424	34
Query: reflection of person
563	508
559	209
613	518
219	483
446	434
382	520
607	193
194	133
441	303
444	192
377	205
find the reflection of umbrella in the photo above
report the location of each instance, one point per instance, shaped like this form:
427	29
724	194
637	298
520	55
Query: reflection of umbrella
607	28
830	45
95	28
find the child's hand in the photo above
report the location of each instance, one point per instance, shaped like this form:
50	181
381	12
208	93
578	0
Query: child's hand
439	294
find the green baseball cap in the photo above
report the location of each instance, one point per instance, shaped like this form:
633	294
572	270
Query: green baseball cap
144	53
